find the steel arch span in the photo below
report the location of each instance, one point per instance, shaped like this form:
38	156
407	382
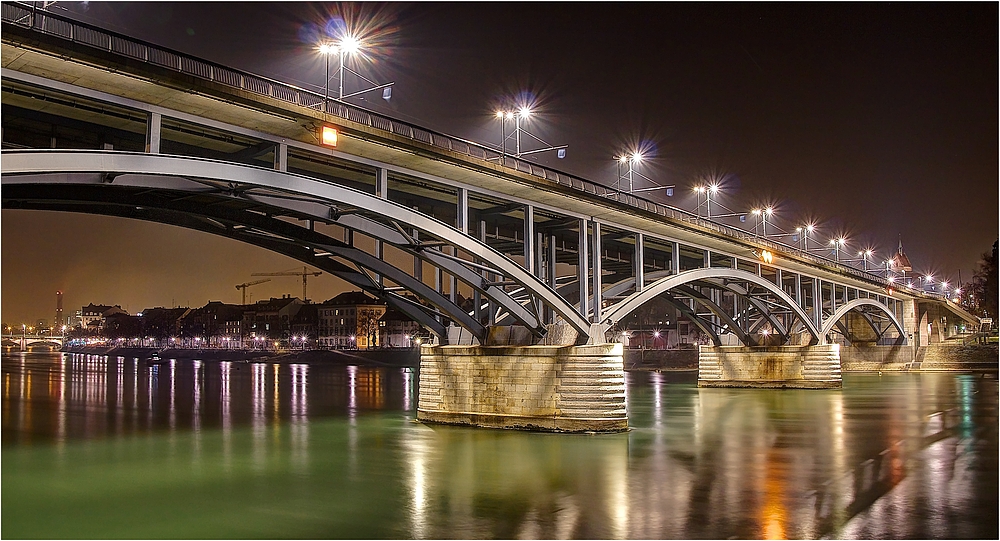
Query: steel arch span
858	305
724	279
259	206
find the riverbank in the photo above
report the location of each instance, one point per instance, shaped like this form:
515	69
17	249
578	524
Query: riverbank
378	357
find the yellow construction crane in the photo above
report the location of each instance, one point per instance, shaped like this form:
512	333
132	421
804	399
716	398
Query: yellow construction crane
248	284
304	274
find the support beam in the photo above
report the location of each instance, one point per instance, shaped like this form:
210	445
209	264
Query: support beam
477	297
798	290
582	266
154	128
817	304
382	192
596	231
281	157
637	263
529	239
550	240
462	223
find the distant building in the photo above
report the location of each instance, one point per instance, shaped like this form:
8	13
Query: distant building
93	316
162	323
349	320
121	325
397	330
210	321
271	318
305	323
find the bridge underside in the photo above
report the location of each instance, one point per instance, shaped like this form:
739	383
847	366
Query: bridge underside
382	247
305	226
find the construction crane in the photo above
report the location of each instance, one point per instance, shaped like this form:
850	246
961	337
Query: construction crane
248	284
304	274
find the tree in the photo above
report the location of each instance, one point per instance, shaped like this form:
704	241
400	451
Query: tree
980	295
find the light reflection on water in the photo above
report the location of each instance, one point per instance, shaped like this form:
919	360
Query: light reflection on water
198	449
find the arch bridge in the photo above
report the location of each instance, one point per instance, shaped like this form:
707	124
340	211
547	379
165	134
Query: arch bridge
464	240
27	341
447	231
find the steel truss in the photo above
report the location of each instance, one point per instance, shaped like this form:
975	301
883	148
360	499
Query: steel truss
255	205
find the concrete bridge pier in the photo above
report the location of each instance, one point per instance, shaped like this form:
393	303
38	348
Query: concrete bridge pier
790	367
555	388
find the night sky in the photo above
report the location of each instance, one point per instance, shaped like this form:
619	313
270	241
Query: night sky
877	121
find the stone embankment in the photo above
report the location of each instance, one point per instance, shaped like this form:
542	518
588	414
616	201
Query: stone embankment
638	360
954	355
377	357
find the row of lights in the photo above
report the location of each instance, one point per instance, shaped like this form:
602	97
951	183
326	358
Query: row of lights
349	45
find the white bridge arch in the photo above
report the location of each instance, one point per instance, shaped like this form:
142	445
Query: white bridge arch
859	305
722	278
245	202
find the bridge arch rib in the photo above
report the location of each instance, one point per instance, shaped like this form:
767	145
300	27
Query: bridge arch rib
723	279
857	305
247	203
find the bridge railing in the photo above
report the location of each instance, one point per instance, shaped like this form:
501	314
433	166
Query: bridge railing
46	22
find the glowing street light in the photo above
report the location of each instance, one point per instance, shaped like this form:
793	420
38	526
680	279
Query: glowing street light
837	244
762	215
516	115
709	190
804	232
632	159
347	45
865	254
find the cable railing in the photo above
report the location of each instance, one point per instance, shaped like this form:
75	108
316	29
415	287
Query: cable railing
27	16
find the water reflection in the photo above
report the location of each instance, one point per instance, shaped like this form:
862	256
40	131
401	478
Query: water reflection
319	450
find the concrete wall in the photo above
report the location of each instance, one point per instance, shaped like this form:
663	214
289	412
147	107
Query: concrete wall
662	359
873	358
800	367
559	388
956	356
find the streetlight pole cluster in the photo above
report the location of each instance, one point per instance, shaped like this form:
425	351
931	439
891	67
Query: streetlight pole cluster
627	162
344	47
518	115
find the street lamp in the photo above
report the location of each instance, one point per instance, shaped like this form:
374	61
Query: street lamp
762	215
709	191
804	235
516	115
347	45
865	254
837	244
631	160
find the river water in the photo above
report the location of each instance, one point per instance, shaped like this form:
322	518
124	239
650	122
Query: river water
99	447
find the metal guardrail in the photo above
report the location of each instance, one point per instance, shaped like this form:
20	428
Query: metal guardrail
28	16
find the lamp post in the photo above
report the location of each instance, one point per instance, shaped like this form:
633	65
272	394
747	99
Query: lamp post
516	116
865	254
804	233
631	160
837	244
762	215
767	212
709	191
346	45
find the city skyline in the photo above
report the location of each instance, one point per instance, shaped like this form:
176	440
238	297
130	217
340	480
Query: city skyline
859	117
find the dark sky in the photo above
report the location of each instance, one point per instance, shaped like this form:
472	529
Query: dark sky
878	121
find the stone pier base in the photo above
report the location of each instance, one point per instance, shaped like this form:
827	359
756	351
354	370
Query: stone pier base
794	367
552	388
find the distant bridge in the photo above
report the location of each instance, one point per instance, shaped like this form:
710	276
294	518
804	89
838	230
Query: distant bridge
102	123
26	341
